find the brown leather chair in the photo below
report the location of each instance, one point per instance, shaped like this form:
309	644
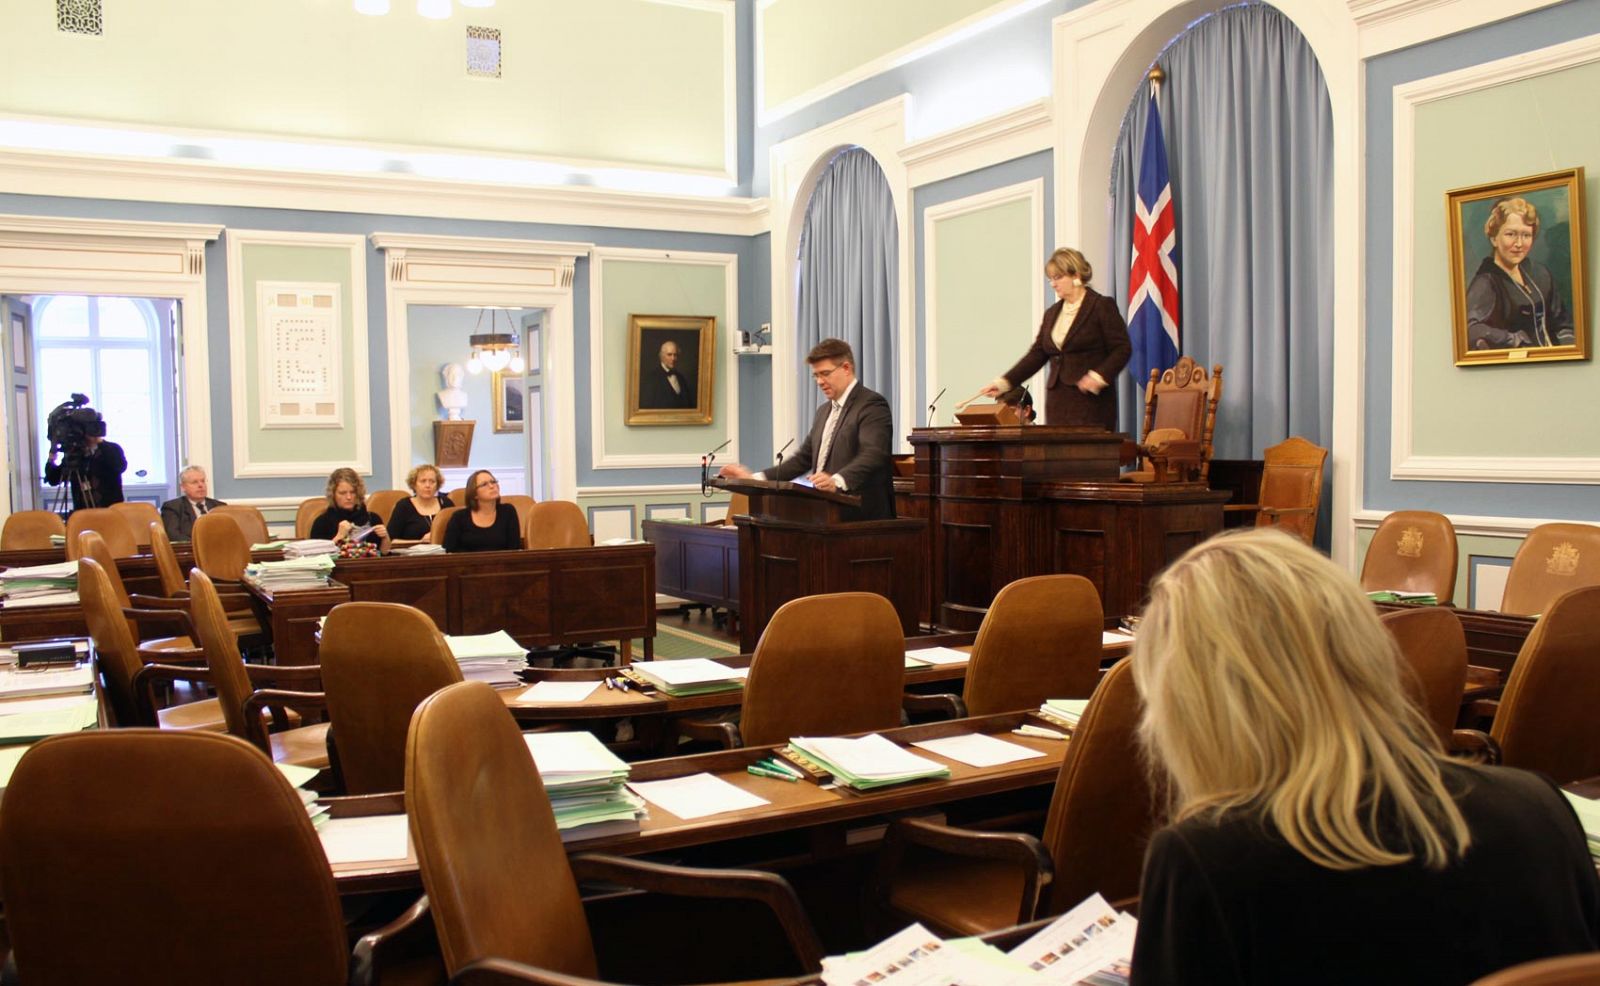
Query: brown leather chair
524	505
139	515
441	522
306	514
481	823
1435	651
958	881
250	520
29	530
221	549
241	616
201	850
112	526
556	524
379	660
129	682
1545	720
160	626
1565	970
1412	551
1040	639
1554	559
824	666
1180	413
1291	488
738	503
382	503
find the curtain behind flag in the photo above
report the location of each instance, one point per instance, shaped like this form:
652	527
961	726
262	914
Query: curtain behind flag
1153	316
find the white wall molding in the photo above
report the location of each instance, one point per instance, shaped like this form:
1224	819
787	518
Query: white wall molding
468	271
209	183
1388	25
1031	192
1404	462
1471	524
46	255
796	164
1003	137
666	489
601	397
243	360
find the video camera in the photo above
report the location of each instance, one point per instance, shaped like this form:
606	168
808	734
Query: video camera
70	426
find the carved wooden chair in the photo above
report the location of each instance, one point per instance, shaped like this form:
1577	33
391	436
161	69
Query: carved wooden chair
160	626
1180	413
1291	488
382	503
306	514
481	822
1412	551
458	496
110	524
221	549
738	503
139	516
241	615
1040	639
1554	559
441	522
959	881
524	505
1434	648
556	524
30	530
250	520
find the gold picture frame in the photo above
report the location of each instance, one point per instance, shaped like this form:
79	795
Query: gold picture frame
652	398
1509	288
510	402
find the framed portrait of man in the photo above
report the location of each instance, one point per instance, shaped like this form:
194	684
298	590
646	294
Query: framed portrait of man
671	369
508	391
1517	270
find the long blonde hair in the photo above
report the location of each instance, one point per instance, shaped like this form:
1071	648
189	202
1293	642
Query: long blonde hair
1271	686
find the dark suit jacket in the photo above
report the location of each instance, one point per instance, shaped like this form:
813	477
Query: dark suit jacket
859	453
1098	341
178	517
655	393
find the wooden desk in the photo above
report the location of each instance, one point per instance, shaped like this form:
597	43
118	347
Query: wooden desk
697	562
1493	639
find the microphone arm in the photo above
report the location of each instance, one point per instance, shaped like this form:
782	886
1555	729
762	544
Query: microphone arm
785	448
705	467
935	403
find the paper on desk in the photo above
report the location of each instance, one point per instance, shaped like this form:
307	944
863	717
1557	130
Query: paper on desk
54	681
559	691
9	758
869	756
484	645
978	750
689	671
369	839
296	774
939	655
1092	937
81	713
577	753
46	599
696	796
1109	637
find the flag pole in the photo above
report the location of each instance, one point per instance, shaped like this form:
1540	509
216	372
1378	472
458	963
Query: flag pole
1156	77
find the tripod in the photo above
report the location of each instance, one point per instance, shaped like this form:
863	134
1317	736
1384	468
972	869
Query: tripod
73	477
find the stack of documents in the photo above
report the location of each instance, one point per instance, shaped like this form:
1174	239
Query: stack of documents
40	585
32	719
1400	596
291	573
298	777
492	657
77	680
936	655
868	762
420	548
1065	712
691	676
1589	814
269	546
58	540
309	548
587	785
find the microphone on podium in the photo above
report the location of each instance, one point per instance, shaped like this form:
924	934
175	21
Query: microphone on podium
935	403
779	457
705	466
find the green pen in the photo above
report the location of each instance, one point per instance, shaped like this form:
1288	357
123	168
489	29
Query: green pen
761	771
773	763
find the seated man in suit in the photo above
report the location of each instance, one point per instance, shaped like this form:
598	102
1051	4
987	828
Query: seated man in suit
177	516
663	386
847	450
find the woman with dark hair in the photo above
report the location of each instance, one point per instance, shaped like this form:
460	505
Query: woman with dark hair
347	512
412	518
486	524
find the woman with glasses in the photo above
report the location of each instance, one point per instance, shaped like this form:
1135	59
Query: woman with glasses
1513	301
486	524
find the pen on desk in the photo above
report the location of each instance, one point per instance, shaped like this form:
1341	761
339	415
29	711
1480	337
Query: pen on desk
609	685
622	683
763	771
1030	730
773	763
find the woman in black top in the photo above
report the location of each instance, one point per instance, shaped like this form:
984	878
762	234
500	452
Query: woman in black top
486	524
1320	834
412	518
347	511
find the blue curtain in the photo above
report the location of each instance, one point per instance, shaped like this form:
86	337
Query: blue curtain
847	275
1249	134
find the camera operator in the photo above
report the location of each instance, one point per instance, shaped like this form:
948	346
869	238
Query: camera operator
92	465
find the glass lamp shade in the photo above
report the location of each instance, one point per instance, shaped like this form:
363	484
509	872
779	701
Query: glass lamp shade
517	365
496	359
474	365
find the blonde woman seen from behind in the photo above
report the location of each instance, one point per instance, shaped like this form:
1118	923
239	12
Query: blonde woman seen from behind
1319	834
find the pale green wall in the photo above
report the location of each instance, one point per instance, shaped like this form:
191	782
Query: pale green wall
1467	546
1521	128
262	262
983	298
653	73
805	43
650	288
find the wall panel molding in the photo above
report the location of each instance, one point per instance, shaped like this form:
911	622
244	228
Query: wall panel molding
1388	25
994	140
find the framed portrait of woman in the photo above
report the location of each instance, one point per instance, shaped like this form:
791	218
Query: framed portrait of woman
1517	270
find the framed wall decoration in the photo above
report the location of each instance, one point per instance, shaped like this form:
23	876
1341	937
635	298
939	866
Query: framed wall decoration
671	364
1518	270
300	364
509	392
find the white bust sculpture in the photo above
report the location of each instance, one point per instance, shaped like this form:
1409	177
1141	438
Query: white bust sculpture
452	398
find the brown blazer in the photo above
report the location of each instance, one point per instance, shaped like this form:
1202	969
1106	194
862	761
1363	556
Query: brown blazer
1098	341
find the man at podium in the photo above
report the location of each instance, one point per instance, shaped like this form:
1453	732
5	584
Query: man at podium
847	449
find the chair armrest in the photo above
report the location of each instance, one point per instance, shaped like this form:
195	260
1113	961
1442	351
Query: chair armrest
276	700
1476	745
144	692
144	601
722	732
410	940
687	881
171	622
1024	851
269	675
1241	507
1286	511
950	705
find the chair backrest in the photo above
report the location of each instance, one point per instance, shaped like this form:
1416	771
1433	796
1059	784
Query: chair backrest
196	854
114	641
221	647
1546	717
824	666
306	514
1554	559
1103	811
167	567
441	521
220	547
556	524
524	505
1184	398
1040	639
379	660
92	545
1434	648
1564	970
31	529
139	516
111	525
382	503
458	496
1415	551
1292	478
480	824
252	523
738	503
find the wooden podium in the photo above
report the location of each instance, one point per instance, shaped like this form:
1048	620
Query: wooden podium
793	544
1006	502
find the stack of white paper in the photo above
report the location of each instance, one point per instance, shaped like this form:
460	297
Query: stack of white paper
310	548
298	777
697	796
691	676
937	655
867	762
492	657
587	785
1089	944
31	719
978	750
40	585
1064	711
47	681
292	573
422	548
1589	815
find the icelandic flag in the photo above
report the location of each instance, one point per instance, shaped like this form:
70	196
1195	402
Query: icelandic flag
1153	276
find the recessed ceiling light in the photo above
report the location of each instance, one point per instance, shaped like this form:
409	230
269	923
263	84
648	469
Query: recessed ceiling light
434	9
